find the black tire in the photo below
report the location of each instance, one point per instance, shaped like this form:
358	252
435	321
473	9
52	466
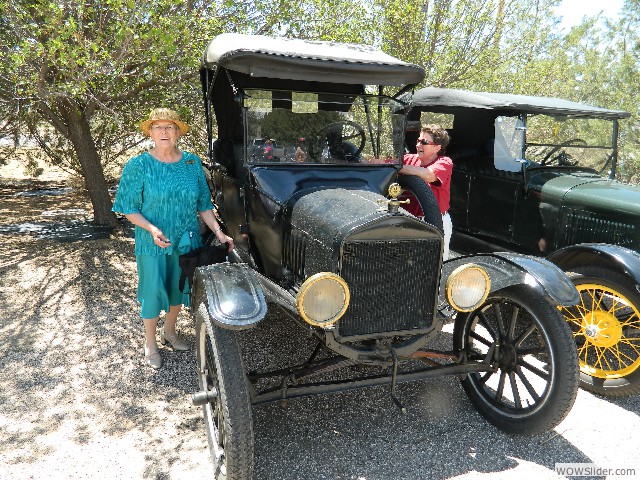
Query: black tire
606	329
536	378
421	192
228	418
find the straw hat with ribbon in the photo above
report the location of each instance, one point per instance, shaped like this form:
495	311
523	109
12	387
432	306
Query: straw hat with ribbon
167	115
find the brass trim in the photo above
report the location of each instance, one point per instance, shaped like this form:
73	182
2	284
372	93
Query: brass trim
312	280
455	274
395	190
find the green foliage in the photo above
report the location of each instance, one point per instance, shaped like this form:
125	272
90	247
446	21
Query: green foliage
464	43
603	69
108	62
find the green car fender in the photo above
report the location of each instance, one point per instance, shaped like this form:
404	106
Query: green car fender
612	257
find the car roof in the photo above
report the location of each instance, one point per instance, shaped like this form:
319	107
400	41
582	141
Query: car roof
297	59
442	98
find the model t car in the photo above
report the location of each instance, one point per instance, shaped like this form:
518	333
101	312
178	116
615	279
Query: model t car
537	175
323	240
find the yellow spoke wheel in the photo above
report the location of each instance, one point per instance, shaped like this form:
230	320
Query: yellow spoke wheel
606	328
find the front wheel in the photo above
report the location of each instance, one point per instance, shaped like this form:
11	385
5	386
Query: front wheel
529	345
606	328
227	417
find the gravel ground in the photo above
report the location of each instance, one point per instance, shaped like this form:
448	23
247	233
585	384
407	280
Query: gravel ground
76	401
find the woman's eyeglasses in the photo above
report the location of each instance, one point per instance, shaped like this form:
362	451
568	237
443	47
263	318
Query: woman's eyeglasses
164	128
424	141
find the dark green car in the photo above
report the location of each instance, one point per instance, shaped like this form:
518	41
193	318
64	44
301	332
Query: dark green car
537	175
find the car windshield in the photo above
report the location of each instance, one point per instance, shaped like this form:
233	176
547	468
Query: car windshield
560	141
315	128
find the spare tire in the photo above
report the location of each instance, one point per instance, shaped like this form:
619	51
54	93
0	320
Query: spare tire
423	202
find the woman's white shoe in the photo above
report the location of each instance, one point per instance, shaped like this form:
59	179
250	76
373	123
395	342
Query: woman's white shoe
152	357
176	342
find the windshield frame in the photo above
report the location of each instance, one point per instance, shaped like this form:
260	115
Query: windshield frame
380	127
533	151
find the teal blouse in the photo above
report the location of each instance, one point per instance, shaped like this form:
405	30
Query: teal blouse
169	195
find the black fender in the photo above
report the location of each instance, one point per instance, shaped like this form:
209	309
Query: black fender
506	269
232	293
604	255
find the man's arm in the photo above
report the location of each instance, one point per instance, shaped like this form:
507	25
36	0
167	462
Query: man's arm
424	173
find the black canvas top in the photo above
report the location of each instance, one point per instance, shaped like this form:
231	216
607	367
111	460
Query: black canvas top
446	97
296	59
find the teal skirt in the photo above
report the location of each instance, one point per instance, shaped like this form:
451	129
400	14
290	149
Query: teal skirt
158	278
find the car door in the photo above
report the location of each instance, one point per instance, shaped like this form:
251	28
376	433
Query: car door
529	234
491	200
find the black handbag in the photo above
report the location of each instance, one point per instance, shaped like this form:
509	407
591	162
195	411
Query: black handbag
199	257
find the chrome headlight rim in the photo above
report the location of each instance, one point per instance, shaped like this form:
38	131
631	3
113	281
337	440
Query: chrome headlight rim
311	282
456	275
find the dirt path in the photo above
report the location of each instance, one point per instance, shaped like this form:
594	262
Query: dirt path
76	400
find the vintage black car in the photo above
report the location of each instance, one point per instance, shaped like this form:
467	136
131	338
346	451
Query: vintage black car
537	175
321	238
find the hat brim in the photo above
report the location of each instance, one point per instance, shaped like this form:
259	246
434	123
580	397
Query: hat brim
182	126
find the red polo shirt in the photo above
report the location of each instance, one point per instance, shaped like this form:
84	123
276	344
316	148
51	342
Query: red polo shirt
441	167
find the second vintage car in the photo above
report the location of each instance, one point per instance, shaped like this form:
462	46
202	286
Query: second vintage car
537	175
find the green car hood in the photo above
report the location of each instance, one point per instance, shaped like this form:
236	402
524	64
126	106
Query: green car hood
583	208
592	193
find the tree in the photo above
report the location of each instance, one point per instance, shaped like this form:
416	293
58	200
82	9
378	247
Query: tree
608	73
466	43
598	63
336	20
81	74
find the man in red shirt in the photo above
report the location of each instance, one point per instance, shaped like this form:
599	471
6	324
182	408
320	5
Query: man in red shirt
430	164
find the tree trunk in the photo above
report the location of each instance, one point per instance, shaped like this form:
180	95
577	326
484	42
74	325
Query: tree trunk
94	181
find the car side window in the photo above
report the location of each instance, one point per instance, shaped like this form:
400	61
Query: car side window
508	144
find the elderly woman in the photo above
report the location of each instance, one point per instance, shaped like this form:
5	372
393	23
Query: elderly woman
162	192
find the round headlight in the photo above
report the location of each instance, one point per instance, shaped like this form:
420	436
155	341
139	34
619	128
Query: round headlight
468	287
322	299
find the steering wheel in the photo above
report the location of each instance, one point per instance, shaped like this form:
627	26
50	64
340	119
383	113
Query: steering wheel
336	136
559	156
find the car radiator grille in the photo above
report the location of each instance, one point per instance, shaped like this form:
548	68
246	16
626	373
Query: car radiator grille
587	227
393	285
295	253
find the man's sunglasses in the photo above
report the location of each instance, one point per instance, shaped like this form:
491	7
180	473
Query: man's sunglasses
423	141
